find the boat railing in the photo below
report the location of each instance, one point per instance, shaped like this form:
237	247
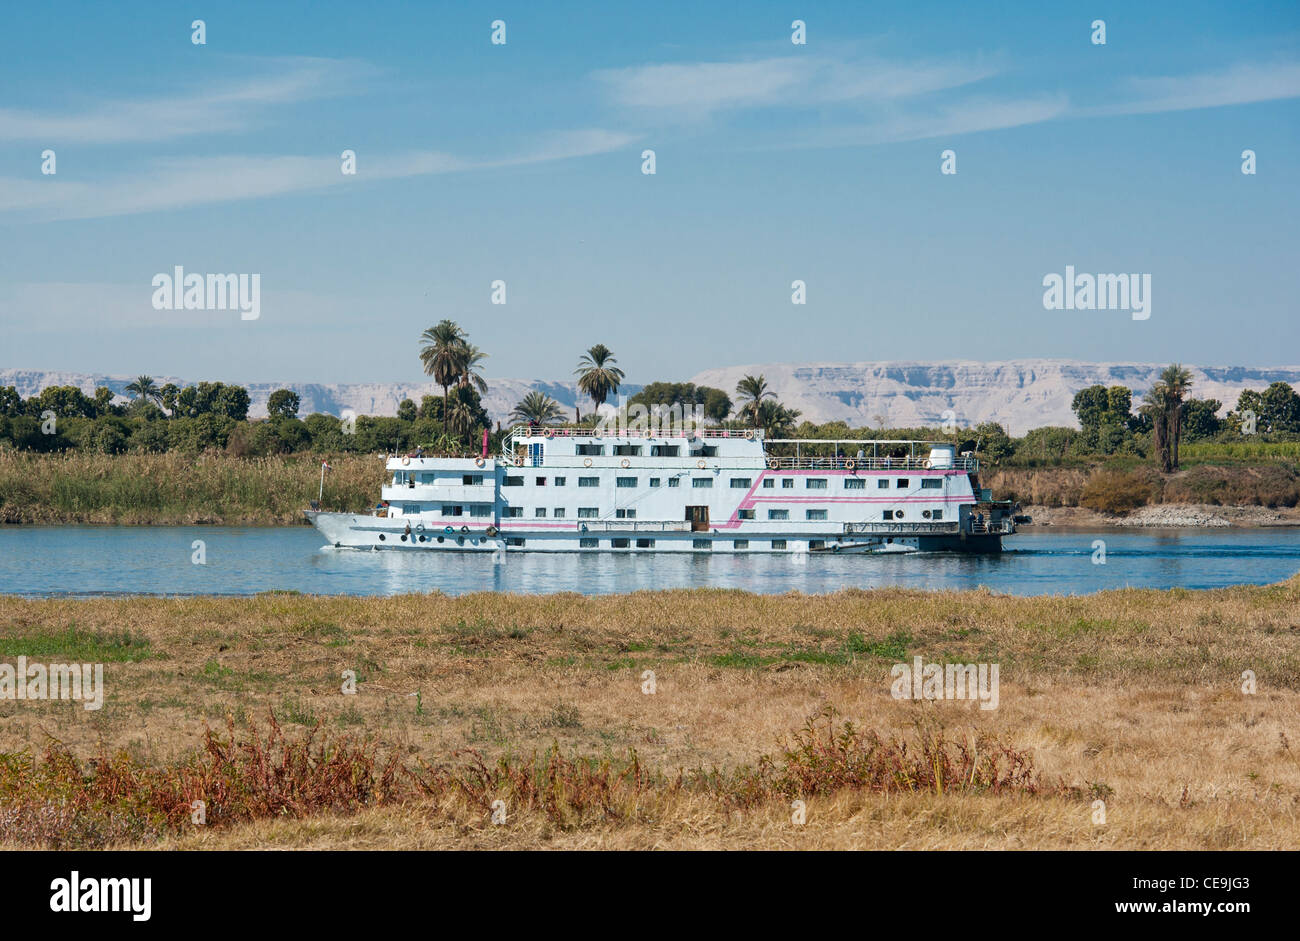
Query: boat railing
895	529
635	526
1001	527
571	431
846	462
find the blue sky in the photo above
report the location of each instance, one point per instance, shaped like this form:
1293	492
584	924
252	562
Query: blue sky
522	162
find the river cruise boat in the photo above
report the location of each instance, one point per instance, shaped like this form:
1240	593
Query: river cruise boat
558	489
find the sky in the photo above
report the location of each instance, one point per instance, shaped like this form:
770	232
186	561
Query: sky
522	162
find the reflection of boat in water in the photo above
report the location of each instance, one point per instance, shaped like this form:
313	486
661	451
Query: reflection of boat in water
710	490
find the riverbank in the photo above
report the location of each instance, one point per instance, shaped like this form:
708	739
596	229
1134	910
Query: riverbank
1163	516
1131	697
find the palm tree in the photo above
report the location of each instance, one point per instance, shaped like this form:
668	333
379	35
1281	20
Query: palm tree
597	375
460	418
537	407
143	387
753	390
1164	405
444	353
775	419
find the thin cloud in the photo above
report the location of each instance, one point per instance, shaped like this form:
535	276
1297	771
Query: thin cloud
699	89
229	107
181	183
1236	85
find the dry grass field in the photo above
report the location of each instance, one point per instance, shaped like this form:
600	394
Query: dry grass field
1134	697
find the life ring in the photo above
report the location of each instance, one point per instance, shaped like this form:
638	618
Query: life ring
491	531
406	460
701	464
478	462
519	461
550	433
587	462
625	463
849	465
448	529
464	529
773	462
926	464
749	434
419	527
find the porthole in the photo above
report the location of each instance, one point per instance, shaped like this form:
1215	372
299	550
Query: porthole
460	540
421	539
440	539
381	537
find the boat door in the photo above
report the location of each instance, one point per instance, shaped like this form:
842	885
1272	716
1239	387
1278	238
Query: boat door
698	517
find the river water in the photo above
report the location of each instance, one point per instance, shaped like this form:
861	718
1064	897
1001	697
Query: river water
114	560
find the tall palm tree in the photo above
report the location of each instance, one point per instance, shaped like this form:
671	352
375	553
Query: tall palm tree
444	353
461	418
537	407
1164	405
597	375
143	387
753	390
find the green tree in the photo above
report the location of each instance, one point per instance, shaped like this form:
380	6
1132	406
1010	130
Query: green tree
993	442
444	355
717	404
145	389
407	411
775	419
11	403
1201	419
537	407
1280	408
1163	404
283	403
753	391
598	376
167	398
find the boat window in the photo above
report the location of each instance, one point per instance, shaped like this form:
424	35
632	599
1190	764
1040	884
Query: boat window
510	511
471	480
591	450
778	543
769	483
854	483
740	544
815	483
816	543
882	483
665	450
561	481
587	543
625	514
787	483
645	543
480	510
627	450
452	510
541	481
902	482
741	483
514	541
588	481
654	481
618	543
540	512
588	512
745	514
701	483
558	513
931	483
936	514
701	543
625	482
778	514
887	515
815	514
674	481
513	482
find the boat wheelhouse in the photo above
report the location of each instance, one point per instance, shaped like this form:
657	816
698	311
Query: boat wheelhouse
567	489
562	489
